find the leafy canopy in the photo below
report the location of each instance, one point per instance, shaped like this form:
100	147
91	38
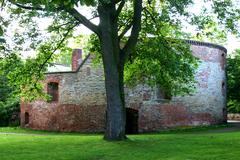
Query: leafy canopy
159	58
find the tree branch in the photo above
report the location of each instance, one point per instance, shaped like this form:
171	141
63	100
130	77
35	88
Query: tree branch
3	2
119	9
26	7
147	12
115	1
61	25
55	49
93	17
73	12
132	41
125	30
83	20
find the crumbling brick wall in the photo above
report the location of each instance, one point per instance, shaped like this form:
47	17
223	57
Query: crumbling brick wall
80	105
82	98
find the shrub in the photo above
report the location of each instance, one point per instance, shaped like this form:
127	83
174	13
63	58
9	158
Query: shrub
9	112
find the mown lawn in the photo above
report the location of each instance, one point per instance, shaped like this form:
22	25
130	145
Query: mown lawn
193	145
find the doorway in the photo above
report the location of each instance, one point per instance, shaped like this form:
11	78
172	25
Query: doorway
26	118
131	121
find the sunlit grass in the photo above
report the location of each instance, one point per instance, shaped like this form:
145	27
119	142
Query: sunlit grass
191	145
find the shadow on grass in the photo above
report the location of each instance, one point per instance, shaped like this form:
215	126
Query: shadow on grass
180	130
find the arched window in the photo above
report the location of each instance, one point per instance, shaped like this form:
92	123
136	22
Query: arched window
52	90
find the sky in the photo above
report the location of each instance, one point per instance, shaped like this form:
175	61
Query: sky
233	43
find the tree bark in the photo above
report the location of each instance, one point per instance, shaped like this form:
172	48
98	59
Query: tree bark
115	115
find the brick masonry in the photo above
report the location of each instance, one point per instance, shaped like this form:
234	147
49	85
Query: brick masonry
82	98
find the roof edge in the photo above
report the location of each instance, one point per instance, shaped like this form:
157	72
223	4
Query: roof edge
192	42
207	44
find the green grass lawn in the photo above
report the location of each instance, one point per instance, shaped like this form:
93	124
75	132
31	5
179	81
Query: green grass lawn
181	145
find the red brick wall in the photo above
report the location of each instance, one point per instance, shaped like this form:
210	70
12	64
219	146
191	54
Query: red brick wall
162	116
67	117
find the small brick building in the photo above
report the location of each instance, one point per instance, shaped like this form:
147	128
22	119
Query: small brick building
79	98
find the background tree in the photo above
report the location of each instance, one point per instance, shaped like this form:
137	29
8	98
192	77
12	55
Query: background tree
162	54
233	82
9	103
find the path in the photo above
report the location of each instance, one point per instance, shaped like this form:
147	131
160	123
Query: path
232	127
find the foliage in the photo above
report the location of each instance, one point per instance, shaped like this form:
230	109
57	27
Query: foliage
207	29
152	65
162	59
170	65
65	53
216	20
9	103
9	112
233	82
64	57
5	90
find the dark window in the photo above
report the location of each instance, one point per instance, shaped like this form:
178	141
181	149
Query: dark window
161	94
52	90
26	118
223	85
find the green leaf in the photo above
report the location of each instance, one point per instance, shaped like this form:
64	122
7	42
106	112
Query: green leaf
1	31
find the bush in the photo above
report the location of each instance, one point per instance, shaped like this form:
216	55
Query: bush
9	104
9	113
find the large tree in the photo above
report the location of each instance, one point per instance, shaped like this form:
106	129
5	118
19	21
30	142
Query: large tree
151	52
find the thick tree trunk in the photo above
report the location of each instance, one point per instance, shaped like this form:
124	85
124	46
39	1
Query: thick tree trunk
115	118
115	127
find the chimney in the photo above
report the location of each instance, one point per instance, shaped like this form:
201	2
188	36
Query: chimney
76	59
